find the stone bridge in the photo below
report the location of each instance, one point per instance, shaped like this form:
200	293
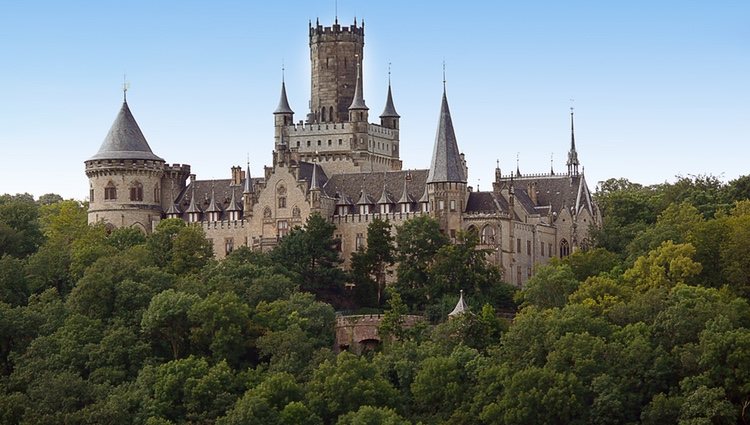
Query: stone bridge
359	333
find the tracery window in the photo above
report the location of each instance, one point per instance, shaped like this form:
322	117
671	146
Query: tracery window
110	192
136	191
564	248
488	235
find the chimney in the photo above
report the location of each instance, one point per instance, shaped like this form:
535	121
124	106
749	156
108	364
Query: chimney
236	175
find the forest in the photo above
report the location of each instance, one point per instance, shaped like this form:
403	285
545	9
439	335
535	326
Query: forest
651	325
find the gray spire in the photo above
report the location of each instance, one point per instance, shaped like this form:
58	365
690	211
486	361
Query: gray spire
233	206
125	140
446	159
390	110
461	306
359	101
193	207
248	180
212	206
283	107
405	197
572	154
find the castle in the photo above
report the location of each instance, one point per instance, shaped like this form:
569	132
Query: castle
337	163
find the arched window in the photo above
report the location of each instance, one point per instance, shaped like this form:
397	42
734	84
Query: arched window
136	191
564	248
157	194
488	234
323	114
91	193
110	192
267	212
281	194
330	114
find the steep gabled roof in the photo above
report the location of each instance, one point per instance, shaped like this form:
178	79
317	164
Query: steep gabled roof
125	140
446	163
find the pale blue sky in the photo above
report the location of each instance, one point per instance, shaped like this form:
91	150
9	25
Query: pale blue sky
661	87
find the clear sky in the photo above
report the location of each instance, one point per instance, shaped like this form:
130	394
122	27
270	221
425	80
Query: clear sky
660	88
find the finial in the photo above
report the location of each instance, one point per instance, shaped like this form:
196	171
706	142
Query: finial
497	163
282	70
336	11
443	74
389	73
552	163
125	87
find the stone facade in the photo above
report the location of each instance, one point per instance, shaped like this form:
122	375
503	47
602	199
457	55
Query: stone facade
340	165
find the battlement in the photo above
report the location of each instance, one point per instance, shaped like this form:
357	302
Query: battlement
177	168
109	165
366	218
336	32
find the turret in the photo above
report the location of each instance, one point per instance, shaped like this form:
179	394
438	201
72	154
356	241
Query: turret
389	118
247	194
446	181
125	177
358	110
282	116
335	53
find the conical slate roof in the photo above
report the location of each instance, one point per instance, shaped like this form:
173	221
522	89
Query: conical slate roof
283	107
359	101
125	140
390	110
446	159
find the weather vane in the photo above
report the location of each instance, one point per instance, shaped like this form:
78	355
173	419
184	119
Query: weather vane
125	87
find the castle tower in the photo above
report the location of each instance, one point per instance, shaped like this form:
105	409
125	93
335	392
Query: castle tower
446	181
572	154
282	117
335	54
125	177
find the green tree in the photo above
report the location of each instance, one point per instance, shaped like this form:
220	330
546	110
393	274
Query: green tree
191	251
222	325
20	234
591	262
418	240
167	319
549	287
368	415
312	254
372	265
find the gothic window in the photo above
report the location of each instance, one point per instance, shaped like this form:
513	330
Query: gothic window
518	245
228	245
91	194
267	212
528	247
359	242
282	228
564	248
136	191
157	194
453	205
323	114
281	194
441	205
330	116
110	192
295	212
488	235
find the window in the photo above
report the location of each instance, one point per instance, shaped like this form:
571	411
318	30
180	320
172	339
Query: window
157	194
110	192
136	192
359	242
339	244
441	205
564	248
488	235
528	247
267	212
91	194
295	212
282	228
228	245
518	245
281	194
282	202
453	205
308	143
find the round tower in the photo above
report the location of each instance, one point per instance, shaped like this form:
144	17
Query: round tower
125	178
335	54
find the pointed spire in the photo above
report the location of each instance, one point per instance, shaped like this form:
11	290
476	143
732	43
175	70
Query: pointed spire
552	163
212	206
573	162
425	196
193	207
233	205
385	197
405	197
358	103
389	111
461	306
248	180
283	107
446	159
518	165
173	210
125	140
